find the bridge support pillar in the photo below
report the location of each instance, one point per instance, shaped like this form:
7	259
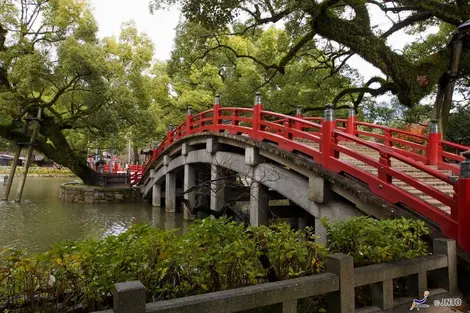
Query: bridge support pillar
259	204
170	192
189	182
217	188
157	195
320	230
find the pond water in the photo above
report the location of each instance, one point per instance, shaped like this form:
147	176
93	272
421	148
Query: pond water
42	219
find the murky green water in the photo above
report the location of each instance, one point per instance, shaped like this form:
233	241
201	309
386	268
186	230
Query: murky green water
42	219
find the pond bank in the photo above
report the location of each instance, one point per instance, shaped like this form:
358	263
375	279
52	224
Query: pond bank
38	172
77	193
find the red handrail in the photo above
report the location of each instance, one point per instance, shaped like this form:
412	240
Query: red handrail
320	139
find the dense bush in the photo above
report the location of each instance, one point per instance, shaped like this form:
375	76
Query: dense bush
372	241
214	254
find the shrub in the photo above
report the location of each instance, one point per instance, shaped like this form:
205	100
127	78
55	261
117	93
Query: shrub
214	254
372	241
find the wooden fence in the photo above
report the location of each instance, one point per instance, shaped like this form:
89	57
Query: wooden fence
338	283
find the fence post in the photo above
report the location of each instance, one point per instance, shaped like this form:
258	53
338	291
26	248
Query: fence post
382	294
129	297
351	126
328	125
434	138
298	114
463	204
341	301
256	119
449	274
216	114
189	120
289	306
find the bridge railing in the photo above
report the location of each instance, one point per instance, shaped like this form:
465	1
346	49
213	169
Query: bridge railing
318	138
338	283
135	173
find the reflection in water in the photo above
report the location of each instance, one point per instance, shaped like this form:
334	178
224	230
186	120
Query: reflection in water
42	219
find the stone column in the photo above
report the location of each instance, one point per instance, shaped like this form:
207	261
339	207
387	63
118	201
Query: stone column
189	182
170	220
259	204
217	188
170	192
259	201
157	195
202	179
320	230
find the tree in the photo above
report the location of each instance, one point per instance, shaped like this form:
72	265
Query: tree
51	59
343	28
198	70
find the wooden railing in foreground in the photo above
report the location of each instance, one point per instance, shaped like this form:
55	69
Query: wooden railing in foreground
338	283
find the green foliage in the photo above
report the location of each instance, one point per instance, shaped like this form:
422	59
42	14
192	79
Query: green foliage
202	66
335	29
214	254
291	253
91	90
372	241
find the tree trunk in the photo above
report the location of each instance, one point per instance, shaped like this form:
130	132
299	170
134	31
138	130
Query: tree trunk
59	151
136	155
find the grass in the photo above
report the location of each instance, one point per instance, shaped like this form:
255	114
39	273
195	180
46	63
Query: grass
39	171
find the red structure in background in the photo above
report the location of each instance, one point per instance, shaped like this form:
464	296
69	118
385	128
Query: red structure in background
135	174
427	153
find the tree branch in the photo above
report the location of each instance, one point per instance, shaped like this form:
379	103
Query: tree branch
385	87
418	17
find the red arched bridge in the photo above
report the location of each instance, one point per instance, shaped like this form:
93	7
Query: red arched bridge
421	172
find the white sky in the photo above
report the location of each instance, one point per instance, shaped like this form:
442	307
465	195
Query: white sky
110	14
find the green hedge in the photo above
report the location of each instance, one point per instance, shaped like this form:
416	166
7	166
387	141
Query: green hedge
214	254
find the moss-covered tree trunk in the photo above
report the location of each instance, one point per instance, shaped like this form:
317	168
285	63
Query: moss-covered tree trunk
57	150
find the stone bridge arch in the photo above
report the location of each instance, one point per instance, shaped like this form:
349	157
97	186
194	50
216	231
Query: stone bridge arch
307	185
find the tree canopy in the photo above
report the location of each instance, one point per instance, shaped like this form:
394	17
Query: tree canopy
340	29
89	89
197	75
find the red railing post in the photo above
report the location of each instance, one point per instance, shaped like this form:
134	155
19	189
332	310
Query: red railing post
328	125
256	118
216	114
189	118
385	163
235	122
434	139
287	132
351	124
298	114
463	204
388	136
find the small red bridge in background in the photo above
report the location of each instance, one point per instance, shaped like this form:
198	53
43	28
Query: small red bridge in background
419	171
